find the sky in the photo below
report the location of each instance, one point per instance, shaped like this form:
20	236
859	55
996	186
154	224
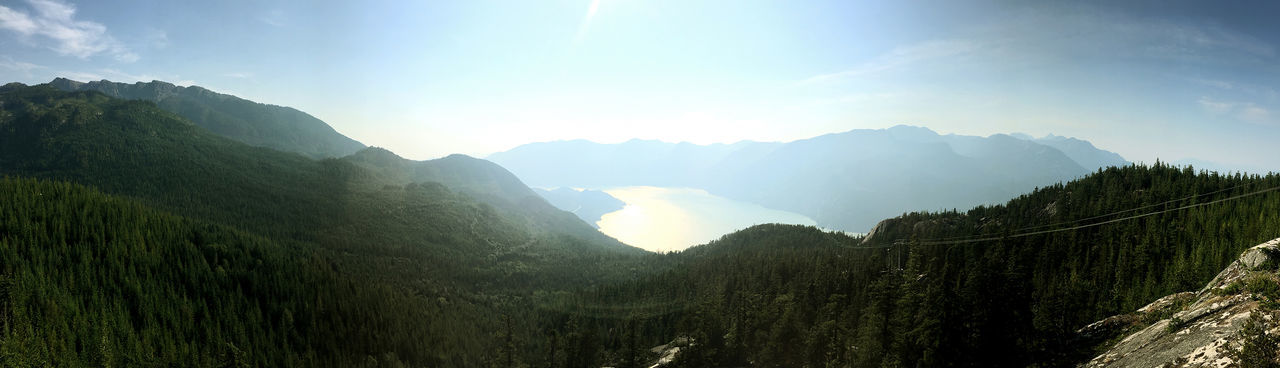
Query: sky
1168	80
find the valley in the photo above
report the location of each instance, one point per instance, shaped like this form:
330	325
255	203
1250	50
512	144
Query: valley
639	184
373	259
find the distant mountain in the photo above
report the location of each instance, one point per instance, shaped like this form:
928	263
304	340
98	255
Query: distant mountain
1083	152
589	205
846	181
255	124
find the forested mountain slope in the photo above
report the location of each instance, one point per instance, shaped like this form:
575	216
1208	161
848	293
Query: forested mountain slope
427	268
253	123
796	296
90	279
194	249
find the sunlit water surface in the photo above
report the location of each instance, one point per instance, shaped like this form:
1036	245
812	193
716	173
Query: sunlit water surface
666	219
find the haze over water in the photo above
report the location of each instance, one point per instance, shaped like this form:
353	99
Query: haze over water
667	219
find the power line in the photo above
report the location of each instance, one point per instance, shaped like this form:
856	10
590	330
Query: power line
1108	214
948	241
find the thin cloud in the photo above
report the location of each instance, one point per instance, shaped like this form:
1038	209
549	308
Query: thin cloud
1248	112
1215	106
1254	114
899	58
19	66
158	39
1093	32
53	24
1215	83
1256	91
1040	36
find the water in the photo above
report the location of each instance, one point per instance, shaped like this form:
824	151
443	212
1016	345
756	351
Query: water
666	219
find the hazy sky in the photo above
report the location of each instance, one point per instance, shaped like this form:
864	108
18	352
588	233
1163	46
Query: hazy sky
1147	79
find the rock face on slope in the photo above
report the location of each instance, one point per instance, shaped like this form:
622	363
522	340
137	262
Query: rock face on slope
1195	329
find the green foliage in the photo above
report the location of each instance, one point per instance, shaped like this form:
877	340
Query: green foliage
1166	312
193	249
1175	324
245	121
343	267
1009	302
1273	260
1257	348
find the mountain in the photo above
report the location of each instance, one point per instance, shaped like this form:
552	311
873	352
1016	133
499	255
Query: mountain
1081	151
482	180
135	149
249	122
130	236
589	205
1010	285
846	181
330	262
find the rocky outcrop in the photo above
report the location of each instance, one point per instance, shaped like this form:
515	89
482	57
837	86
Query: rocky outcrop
1194	329
666	353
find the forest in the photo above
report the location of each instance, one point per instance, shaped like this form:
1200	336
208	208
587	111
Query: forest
130	236
795	296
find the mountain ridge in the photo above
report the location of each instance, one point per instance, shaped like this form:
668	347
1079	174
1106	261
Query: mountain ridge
847	180
257	124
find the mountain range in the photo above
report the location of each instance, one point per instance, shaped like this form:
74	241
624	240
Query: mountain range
413	232
133	236
847	181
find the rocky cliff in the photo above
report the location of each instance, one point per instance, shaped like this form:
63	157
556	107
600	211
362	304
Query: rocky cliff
1207	328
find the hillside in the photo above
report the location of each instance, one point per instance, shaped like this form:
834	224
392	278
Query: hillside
451	247
1232	320
796	296
589	205
249	122
846	181
91	279
372	259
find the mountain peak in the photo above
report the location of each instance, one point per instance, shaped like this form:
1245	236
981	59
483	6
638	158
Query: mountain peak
911	128
912	133
65	84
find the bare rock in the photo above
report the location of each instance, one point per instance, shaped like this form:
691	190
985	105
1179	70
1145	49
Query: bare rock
1192	335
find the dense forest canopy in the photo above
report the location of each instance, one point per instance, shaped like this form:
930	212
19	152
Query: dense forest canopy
131	236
